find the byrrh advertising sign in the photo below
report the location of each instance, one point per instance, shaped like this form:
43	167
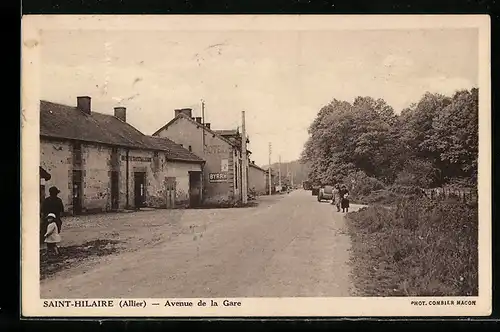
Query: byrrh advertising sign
217	177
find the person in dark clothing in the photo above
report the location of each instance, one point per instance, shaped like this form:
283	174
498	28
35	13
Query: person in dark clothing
344	194
53	204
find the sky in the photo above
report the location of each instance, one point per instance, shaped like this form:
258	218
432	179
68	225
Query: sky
281	79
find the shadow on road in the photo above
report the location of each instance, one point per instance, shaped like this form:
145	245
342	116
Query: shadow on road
72	255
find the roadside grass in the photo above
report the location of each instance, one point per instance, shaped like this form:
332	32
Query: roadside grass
418	247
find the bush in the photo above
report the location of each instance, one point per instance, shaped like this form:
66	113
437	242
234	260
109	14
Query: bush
391	195
418	173
405	190
382	197
362	185
418	248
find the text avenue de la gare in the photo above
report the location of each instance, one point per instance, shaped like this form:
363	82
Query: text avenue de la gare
136	303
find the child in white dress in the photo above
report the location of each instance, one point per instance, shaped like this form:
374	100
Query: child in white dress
52	236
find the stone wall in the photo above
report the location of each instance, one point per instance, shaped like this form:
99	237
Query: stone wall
96	165
55	158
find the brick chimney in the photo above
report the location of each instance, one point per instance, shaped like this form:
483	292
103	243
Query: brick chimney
207	125
121	113
186	111
198	119
83	104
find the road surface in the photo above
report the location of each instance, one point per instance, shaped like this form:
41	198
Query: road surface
287	246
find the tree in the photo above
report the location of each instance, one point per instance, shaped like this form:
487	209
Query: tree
417	124
430	142
418	172
348	137
455	135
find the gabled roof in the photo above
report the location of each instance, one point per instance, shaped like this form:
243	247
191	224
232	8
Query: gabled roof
258	167
227	132
181	115
175	151
231	134
63	121
68	122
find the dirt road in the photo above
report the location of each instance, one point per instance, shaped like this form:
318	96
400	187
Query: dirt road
287	246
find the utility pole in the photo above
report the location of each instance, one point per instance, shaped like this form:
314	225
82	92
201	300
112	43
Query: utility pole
279	171
287	175
292	179
203	123
244	161
269	170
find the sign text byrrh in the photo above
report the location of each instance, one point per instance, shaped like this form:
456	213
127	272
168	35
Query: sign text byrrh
217	177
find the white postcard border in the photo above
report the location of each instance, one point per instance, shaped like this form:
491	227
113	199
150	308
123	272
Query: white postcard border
33	306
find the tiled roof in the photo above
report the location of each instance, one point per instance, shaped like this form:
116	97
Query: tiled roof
227	132
181	115
233	135
62	121
175	151
257	167
68	122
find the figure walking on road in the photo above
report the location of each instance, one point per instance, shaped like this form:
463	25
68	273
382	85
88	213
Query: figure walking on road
345	199
336	197
53	204
52	237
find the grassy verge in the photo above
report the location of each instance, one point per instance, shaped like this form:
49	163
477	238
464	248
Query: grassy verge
418	248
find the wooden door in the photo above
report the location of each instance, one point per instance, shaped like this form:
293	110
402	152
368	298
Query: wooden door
170	186
194	188
139	189
77	192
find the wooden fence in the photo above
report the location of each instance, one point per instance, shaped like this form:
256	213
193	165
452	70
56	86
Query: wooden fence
466	195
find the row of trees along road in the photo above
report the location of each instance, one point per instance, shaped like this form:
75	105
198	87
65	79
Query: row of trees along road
433	142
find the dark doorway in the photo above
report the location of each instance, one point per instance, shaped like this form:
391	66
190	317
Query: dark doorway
77	192
115	192
170	188
195	188
139	189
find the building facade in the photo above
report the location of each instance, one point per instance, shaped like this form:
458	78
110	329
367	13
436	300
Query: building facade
101	163
257	179
222	170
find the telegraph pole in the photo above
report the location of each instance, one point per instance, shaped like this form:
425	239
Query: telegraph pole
269	170
244	161
287	174
279	172
203	123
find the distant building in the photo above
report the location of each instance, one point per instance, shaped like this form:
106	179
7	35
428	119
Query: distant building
221	151
257	179
99	162
274	181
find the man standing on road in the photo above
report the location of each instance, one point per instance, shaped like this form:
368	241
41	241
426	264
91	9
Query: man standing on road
336	197
53	204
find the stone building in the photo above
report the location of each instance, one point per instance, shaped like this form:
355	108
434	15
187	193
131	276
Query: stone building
257	179
222	154
99	162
